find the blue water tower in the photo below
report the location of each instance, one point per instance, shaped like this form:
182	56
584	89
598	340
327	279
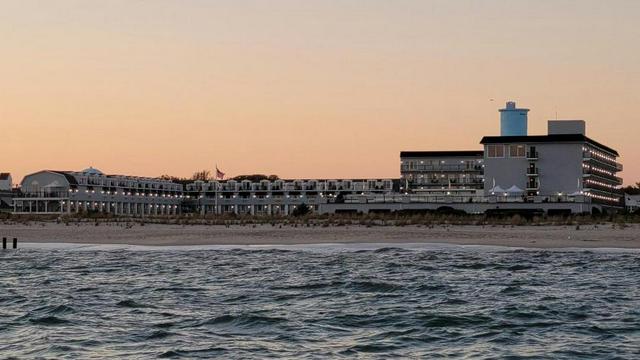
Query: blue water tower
513	121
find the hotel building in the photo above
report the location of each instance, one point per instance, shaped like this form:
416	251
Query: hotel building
279	197
564	165
66	192
438	173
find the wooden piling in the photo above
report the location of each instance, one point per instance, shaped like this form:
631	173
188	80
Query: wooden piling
15	243
4	242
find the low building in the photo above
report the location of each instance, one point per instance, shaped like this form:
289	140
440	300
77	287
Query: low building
279	197
440	173
6	192
632	203
5	182
66	192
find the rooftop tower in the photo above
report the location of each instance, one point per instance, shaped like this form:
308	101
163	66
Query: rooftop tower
513	121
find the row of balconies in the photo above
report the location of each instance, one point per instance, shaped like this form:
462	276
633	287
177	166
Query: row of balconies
613	166
445	182
131	184
587	155
440	168
291	186
615	180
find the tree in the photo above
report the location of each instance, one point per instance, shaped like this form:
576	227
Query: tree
175	179
203	175
301	210
632	190
256	177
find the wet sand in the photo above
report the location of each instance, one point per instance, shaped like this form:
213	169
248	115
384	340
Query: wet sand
589	236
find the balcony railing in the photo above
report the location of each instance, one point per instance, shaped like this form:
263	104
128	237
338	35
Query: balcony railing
532	155
614	179
441	168
532	172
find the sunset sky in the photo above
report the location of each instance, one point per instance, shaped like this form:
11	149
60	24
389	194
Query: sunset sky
313	89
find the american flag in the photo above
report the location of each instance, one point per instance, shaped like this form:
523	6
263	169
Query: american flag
219	174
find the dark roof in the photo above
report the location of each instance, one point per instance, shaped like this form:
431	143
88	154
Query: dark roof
4	176
440	154
545	139
70	178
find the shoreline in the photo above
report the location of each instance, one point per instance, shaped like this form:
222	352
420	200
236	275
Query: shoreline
327	247
538	237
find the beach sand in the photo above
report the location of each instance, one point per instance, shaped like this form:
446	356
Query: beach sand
589	236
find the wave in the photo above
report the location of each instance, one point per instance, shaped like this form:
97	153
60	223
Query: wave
49	320
244	320
130	303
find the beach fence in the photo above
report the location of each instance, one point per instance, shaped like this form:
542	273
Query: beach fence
4	243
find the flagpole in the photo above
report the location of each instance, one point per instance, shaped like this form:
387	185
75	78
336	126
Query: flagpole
215	193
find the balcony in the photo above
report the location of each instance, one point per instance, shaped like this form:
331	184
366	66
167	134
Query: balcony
533	186
532	155
532	172
441	168
616	180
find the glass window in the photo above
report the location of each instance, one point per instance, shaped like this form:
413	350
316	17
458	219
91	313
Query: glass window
517	151
495	151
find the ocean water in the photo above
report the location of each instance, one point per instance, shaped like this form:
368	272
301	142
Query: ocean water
319	302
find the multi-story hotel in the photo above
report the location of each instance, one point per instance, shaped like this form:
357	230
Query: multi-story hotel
60	192
279	197
564	165
437	173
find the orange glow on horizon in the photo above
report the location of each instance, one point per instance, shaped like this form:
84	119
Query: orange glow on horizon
303	89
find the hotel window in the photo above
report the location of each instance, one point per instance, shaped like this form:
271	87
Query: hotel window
495	151
517	151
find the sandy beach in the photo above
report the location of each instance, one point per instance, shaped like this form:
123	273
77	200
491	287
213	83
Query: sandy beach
602	236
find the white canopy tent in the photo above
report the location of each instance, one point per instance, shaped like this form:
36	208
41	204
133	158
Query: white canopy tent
514	190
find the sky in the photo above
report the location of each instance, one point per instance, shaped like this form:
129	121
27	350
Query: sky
303	89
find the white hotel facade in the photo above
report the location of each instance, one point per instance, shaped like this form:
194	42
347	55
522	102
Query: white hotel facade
278	197
72	192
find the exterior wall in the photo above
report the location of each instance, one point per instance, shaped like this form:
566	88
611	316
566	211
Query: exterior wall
632	203
6	184
558	169
555	127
